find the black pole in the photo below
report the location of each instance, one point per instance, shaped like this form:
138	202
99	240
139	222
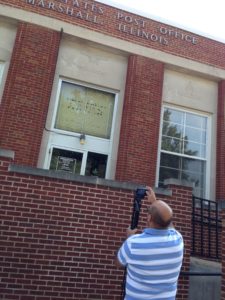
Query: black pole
139	194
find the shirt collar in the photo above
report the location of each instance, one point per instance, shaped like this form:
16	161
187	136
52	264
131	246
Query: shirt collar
154	231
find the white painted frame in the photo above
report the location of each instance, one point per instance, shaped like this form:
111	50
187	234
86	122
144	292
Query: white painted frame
2	67
208	142
99	145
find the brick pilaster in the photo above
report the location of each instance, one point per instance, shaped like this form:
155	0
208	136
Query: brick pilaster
137	154
220	146
27	91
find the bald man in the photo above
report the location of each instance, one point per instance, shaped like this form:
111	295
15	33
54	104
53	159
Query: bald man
153	258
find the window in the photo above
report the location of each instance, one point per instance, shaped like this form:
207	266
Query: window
71	161
183	155
65	160
87	111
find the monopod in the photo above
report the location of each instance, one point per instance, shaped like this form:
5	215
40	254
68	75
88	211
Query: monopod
139	194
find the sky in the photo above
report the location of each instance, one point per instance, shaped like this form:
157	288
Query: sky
204	17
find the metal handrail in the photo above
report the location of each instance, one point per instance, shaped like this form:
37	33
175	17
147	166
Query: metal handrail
206	215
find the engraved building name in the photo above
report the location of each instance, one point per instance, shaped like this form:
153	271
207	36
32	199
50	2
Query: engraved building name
125	22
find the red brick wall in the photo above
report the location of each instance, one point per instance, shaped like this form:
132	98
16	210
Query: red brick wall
181	202
27	91
220	146
137	155
205	50
223	256
59	237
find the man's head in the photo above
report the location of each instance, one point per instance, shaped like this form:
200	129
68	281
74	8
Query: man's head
159	215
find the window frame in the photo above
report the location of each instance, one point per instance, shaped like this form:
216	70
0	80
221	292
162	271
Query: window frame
101	142
61	131
2	67
2	79
208	144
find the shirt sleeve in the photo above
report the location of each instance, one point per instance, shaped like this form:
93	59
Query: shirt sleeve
124	252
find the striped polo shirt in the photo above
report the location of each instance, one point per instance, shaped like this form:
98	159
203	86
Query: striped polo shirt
153	260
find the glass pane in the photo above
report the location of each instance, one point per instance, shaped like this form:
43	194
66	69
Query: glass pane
192	177
184	133
166	173
204	123
171	144
203	151
198	180
194	120
174	116
203	137
171	161
96	164
193	134
193	165
192	149
85	110
171	129
192	170
67	161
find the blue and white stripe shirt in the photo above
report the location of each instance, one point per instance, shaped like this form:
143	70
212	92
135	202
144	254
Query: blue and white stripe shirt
153	260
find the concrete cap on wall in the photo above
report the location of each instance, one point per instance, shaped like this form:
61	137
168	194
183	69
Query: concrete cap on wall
82	179
174	181
7	153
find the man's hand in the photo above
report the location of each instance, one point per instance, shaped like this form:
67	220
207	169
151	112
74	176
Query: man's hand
150	196
131	231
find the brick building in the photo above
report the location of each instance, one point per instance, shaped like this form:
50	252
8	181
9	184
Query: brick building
122	100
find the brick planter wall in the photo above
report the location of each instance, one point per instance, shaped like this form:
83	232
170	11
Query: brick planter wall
59	233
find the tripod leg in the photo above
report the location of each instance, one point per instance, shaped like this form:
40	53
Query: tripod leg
123	292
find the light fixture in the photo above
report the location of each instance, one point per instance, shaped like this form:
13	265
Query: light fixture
82	139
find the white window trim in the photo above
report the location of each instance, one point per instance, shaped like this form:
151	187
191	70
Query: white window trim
2	67
208	143
59	132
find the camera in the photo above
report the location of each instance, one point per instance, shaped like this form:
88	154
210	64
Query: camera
141	193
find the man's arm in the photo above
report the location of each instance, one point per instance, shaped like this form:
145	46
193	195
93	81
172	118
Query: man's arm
130	232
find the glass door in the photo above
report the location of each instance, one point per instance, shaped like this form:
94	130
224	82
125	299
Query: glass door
65	160
85	111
